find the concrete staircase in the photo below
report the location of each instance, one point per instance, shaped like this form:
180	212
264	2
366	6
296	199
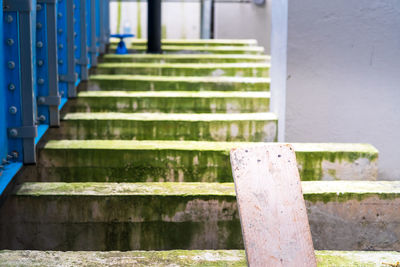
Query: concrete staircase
141	162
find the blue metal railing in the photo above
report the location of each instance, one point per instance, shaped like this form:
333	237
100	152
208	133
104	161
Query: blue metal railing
46	47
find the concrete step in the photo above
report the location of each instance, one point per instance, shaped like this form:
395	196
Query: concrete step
189	161
345	215
198	258
187	69
190	49
165	83
186	58
195	42
170	102
251	127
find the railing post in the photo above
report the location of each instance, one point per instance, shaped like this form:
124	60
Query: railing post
154	26
83	61
48	99
93	36
102	47
19	78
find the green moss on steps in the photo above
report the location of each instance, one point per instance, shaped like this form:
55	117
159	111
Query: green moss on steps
170	102
178	69
164	83
186	58
196	258
100	160
255	127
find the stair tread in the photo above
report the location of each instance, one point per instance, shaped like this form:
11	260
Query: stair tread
200	41
184	65
201	145
181	258
192	94
193	79
184	56
311	189
264	116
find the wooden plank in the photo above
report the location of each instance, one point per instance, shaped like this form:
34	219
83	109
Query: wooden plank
271	206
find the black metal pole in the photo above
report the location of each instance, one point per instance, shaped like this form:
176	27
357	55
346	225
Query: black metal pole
212	26
154	27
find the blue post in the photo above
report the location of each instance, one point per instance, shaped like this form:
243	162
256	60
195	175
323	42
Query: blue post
48	98
19	79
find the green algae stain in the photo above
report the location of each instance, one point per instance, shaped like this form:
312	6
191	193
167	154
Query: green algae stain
139	20
163	31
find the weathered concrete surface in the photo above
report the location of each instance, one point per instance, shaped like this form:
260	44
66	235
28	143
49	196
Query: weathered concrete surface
248	50
165	83
186	69
180	258
189	161
170	102
252	127
345	215
186	58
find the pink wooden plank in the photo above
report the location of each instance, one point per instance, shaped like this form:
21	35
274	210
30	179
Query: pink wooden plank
271	206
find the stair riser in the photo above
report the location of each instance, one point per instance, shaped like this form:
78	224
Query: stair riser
252	131
169	104
98	84
193	59
186	222
176	165
219	72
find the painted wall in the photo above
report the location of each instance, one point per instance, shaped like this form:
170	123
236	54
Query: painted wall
181	20
343	68
245	20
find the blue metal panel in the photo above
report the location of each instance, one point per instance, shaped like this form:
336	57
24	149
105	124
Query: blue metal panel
77	41
62	47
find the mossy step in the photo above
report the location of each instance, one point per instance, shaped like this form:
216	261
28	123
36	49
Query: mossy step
252	127
168	49
346	215
196	42
190	69
195	258
190	161
186	58
164	83
170	101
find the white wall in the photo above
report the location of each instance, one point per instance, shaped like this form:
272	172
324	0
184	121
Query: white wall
343	67
243	20
180	20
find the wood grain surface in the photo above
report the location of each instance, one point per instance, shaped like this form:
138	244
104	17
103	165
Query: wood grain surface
271	206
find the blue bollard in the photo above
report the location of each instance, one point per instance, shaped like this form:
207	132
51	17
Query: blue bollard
121	49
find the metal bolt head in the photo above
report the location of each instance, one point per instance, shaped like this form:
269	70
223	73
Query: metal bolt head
39	44
60	46
59	14
41	100
11	87
42	118
40	81
11	65
10	19
10	41
38	7
40	62
60	30
13	110
60	61
13	132
15	154
39	25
